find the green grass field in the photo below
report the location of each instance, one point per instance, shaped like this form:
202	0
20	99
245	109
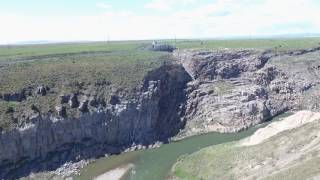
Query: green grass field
98	69
281	44
23	51
37	64
75	67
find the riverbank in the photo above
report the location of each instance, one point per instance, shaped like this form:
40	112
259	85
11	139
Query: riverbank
287	153
150	163
295	121
190	92
116	174
156	163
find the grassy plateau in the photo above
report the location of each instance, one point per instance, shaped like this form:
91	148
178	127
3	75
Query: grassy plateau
96	69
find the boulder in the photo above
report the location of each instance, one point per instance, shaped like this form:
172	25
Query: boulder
35	108
114	99
83	107
41	90
73	101
61	110
93	102
16	96
64	99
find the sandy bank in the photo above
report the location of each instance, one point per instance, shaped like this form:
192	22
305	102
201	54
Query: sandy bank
294	121
115	174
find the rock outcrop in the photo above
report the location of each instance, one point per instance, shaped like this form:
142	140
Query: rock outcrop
224	90
42	90
16	96
73	101
235	89
61	111
48	141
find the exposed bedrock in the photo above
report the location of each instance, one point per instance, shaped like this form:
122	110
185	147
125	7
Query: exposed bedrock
235	89
222	90
48	141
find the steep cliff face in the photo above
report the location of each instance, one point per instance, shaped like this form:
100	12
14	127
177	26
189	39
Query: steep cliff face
223	91
232	90
48	141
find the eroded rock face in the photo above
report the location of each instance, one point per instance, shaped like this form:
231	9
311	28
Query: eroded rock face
233	90
64	98
49	141
73	101
15	96
42	90
208	65
114	99
83	107
224	91
61	110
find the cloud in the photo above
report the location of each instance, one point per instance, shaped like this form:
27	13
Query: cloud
165	5
248	17
158	5
221	18
103	5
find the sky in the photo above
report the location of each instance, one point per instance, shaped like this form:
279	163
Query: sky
98	20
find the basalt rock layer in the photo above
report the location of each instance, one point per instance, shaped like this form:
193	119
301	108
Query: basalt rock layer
203	91
48	141
233	90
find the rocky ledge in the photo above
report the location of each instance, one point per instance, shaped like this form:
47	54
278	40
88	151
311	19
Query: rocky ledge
233	90
48	141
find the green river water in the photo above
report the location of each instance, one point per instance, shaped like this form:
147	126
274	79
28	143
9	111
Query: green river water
155	164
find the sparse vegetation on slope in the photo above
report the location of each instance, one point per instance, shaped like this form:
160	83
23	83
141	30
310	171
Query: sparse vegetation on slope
97	69
291	154
109	99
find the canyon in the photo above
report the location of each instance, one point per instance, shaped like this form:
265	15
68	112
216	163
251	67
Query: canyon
199	91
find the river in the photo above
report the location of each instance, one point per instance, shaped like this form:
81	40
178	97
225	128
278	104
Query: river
156	163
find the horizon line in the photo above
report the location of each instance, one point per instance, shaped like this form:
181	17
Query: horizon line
277	36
